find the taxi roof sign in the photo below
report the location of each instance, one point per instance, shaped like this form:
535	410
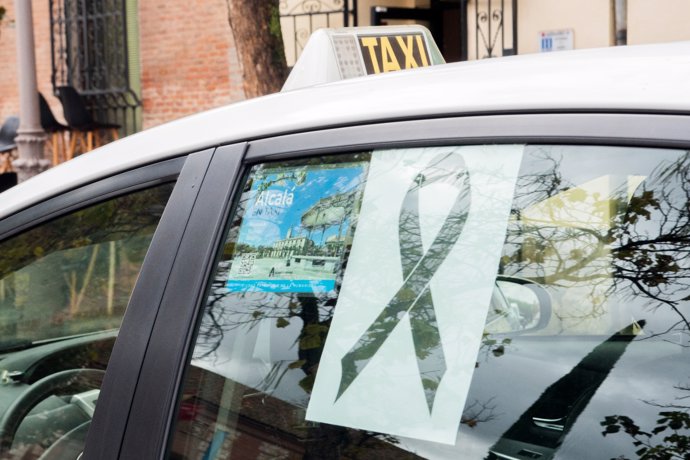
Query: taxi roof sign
338	54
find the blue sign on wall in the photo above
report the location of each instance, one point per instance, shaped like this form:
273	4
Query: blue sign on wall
556	40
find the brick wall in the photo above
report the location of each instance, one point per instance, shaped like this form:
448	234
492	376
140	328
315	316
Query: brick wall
188	58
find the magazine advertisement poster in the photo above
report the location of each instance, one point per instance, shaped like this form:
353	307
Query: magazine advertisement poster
297	224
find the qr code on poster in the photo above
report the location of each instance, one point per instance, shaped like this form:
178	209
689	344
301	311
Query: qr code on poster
246	263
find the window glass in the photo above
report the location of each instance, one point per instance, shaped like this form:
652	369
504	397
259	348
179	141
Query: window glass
524	302
64	287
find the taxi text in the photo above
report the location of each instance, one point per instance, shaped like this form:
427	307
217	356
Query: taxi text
386	53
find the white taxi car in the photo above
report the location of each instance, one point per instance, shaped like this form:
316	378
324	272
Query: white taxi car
475	260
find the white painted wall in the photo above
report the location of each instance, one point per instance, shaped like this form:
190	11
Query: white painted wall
655	21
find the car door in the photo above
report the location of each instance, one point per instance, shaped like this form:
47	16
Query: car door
311	312
69	264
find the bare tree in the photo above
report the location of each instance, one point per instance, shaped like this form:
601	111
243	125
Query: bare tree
255	27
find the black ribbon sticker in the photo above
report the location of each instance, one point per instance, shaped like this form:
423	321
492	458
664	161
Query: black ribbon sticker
414	296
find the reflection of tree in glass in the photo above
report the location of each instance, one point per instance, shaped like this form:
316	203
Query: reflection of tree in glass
109	221
653	255
636	244
478	412
668	440
82	265
226	312
491	346
633	243
671	426
542	428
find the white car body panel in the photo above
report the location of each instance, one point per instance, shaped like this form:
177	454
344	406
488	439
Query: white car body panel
640	79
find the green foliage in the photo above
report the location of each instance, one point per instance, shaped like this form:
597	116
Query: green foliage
675	445
426	337
429	384
641	206
282	322
307	383
274	23
297	364
493	346
313	336
278	51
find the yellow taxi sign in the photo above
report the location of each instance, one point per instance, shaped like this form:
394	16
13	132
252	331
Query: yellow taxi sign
387	53
337	54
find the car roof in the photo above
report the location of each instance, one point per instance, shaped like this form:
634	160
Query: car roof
647	78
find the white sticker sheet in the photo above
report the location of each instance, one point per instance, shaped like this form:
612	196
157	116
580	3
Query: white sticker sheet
408	323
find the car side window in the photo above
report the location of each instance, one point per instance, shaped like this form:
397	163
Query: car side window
64	288
488	301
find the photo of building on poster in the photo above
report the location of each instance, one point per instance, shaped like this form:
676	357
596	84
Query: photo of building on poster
296	227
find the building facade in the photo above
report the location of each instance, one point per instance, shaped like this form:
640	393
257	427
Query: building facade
148	64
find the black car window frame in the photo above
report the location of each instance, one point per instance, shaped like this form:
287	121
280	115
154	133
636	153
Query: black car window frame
117	391
152	416
186	225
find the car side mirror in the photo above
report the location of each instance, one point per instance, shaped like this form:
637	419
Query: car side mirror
518	305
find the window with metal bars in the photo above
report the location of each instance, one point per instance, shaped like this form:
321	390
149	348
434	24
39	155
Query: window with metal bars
94	47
